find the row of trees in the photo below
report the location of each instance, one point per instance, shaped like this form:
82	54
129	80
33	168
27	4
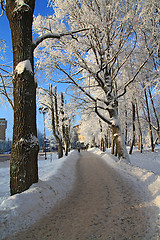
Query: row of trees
57	117
117	55
139	119
102	49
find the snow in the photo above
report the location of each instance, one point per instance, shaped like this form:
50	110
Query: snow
20	4
57	177
31	140
22	66
143	173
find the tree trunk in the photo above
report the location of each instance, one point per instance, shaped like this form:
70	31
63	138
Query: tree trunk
133	126
102	147
140	131
23	164
155	114
58	140
119	142
126	125
149	121
117	135
108	138
55	122
112	145
65	133
56	110
67	140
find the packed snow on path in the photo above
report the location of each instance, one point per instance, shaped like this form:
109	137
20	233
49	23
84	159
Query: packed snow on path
57	178
144	175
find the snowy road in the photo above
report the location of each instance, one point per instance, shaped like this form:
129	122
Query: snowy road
101	206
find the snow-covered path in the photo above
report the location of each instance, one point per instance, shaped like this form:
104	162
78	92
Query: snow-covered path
103	205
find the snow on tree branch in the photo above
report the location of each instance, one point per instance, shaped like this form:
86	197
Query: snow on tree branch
40	39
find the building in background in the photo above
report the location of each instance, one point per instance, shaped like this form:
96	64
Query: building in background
77	138
3	126
77	130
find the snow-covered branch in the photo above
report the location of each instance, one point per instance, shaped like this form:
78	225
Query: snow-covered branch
45	36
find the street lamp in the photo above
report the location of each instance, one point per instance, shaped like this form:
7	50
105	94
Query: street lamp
44	111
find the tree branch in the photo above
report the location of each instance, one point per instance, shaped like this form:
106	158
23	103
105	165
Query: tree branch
100	115
40	39
130	81
76	84
5	93
2	6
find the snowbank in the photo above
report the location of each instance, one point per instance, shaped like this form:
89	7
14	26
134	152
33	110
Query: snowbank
56	180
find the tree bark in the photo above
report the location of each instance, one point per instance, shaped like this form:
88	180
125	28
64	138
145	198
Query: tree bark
23	164
140	131
65	129
149	121
133	127
102	145
55	122
117	137
119	141
155	114
108	138
126	125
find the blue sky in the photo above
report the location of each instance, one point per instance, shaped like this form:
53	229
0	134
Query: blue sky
5	34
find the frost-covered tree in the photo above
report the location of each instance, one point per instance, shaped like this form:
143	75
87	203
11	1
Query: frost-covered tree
58	119
48	100
94	60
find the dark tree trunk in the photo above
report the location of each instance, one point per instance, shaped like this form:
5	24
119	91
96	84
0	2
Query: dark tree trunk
56	110
102	145
149	121
113	145
126	125
23	164
155	114
65	128
108	138
140	142
133	127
